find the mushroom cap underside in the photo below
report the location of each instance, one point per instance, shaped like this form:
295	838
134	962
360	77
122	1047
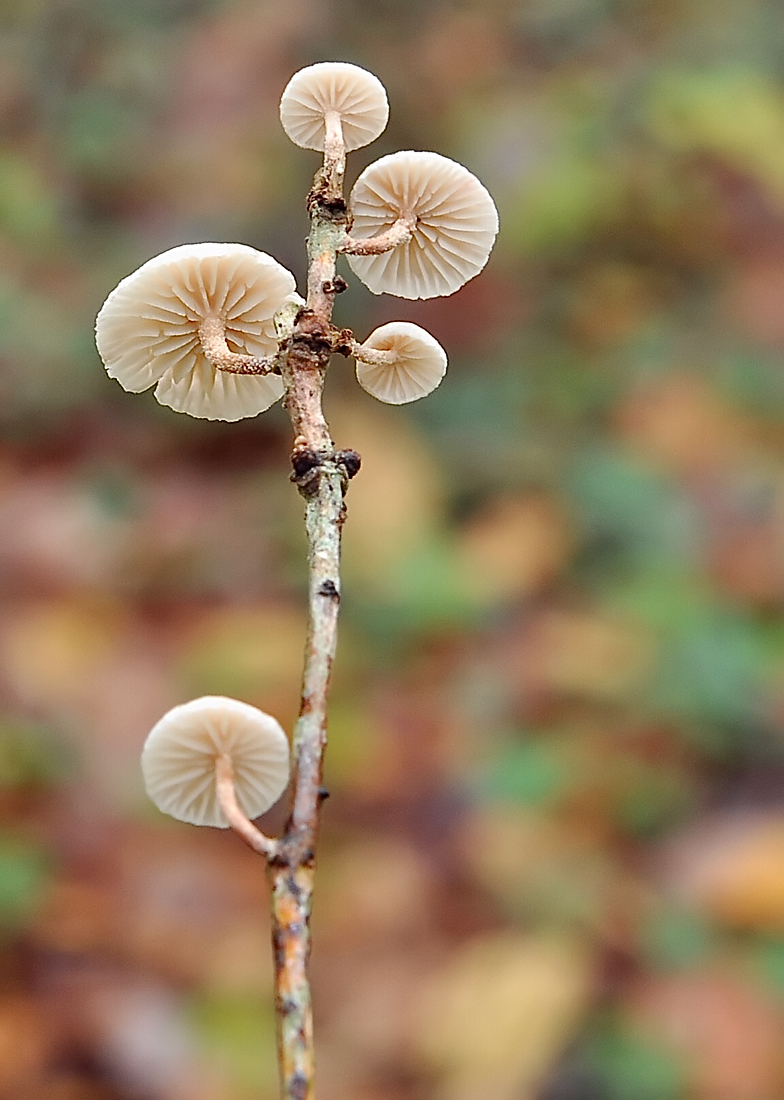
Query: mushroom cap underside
456	224
179	755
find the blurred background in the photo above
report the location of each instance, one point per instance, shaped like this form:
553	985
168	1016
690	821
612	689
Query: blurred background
552	866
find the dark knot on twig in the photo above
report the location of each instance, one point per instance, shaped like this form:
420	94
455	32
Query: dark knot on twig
330	590
307	464
335	286
350	461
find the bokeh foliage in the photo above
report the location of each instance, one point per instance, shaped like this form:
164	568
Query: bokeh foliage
553	863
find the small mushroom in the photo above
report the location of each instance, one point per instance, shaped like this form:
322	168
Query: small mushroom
423	225
197	322
183	751
338	93
399	362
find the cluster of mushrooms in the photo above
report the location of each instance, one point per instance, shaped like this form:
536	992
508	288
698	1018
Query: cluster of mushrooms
202	323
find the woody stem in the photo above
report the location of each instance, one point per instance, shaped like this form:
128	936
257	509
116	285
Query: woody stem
322	481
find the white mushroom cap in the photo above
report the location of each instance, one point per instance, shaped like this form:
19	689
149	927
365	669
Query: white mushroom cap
418	366
147	329
456	224
178	759
353	93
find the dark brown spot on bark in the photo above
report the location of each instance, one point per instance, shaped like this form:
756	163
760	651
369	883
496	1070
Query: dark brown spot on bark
329	589
335	286
303	461
298	1087
350	461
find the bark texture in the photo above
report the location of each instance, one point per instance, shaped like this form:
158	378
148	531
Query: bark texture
321	476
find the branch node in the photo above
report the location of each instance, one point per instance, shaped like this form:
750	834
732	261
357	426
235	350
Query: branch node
334	286
304	460
350	461
321	198
312	331
306	463
343	341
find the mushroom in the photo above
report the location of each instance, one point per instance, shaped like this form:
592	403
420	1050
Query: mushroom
198	323
423	225
399	362
213	738
332	99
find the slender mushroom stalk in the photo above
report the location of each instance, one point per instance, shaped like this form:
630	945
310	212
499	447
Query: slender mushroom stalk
372	356
212	336
400	232
238	821
334	152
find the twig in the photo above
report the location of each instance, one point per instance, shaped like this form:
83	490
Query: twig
321	476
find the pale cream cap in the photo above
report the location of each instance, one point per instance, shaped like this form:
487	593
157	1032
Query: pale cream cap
147	329
456	224
419	366
356	95
178	759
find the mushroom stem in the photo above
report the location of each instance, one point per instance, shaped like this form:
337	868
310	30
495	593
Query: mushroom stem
374	356
224	785
398	233
212	334
334	152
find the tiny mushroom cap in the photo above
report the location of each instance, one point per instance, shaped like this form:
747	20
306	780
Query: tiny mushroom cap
147	330
356	96
179	755
455	218
415	364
